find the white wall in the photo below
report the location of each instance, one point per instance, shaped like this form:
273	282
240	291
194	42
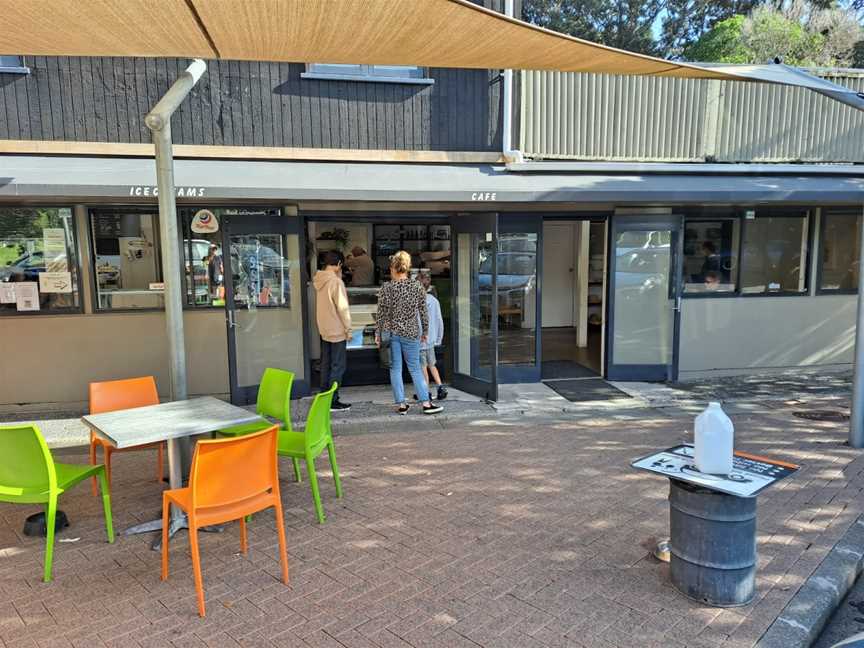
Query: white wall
737	335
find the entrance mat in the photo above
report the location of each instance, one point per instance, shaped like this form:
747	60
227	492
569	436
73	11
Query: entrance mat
553	369
590	389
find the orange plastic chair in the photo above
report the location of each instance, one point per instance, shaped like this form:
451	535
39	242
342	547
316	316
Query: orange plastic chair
230	479
113	395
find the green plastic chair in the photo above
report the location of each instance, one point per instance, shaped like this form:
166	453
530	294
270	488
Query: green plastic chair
311	442
274	400
29	475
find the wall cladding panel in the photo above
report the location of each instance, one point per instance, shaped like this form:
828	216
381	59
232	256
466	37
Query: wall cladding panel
603	117
240	103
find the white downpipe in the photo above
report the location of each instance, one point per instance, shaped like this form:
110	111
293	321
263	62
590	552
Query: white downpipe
511	155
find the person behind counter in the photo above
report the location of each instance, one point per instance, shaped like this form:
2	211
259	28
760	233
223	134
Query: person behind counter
362	267
334	323
400	301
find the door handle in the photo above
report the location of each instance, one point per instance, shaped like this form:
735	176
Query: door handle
230	320
677	305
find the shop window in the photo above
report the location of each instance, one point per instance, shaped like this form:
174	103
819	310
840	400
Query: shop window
774	254
204	264
126	259
38	264
840	251
380	73
13	65
367	248
711	255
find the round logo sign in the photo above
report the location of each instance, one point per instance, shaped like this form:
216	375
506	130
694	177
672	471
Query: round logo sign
205	222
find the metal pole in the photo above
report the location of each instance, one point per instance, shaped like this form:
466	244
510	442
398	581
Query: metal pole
158	121
856	420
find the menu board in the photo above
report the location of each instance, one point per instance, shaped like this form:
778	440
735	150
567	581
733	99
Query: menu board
751	474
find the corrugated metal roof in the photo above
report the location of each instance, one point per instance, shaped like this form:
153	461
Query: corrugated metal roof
599	117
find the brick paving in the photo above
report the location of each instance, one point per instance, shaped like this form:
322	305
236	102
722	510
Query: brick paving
524	533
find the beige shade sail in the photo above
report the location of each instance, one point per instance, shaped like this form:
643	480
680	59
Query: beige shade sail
432	33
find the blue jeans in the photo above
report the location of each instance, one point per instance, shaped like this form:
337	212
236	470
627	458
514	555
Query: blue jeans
409	349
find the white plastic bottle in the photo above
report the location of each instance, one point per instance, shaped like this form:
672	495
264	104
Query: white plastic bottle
714	441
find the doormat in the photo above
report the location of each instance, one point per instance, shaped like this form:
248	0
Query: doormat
554	369
591	389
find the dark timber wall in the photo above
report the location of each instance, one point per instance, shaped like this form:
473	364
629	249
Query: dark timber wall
240	103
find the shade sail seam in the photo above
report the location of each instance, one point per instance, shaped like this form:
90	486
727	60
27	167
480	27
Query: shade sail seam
204	31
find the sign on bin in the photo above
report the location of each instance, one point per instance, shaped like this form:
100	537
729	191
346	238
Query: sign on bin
751	474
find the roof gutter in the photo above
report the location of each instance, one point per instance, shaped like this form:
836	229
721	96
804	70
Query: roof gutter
684	168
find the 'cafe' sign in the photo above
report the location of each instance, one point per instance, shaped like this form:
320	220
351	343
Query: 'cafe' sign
182	192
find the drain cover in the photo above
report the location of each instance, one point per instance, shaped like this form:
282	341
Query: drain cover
822	415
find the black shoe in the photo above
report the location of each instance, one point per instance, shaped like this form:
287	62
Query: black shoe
339	406
442	393
403	409
415	397
432	409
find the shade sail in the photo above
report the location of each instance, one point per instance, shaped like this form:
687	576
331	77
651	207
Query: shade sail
433	33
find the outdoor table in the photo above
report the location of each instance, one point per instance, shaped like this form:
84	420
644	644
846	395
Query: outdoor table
712	522
169	422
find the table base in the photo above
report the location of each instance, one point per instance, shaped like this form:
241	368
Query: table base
177	523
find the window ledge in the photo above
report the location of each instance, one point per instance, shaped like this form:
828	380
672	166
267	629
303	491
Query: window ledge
357	77
5	69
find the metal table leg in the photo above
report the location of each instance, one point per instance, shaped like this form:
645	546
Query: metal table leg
178	517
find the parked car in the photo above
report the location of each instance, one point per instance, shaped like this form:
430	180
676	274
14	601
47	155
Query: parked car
25	268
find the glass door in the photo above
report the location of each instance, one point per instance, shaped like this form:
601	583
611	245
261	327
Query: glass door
645	298
519	247
263	299
474	240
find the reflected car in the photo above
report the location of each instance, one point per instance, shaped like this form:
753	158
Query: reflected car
25	268
516	277
641	270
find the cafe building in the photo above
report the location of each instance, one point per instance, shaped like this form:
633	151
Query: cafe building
544	271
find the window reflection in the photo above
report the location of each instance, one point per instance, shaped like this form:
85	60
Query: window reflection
774	254
37	242
841	240
517	285
259	272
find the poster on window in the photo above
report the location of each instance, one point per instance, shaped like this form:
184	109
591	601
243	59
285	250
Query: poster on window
7	293
55	282
27	296
54	249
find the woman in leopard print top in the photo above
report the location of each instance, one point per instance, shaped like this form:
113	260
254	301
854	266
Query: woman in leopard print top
402	313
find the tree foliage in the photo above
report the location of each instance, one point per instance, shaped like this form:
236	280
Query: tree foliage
626	24
801	32
686	21
798	33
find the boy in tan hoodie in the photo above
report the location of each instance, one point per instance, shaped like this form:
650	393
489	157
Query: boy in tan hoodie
334	323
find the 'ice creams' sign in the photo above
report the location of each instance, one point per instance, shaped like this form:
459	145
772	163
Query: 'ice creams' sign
182	192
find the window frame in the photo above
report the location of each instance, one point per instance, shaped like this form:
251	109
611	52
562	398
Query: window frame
366	73
20	68
739	214
845	213
74	246
94	283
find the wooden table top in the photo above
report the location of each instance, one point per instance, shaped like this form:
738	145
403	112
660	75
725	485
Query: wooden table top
140	425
